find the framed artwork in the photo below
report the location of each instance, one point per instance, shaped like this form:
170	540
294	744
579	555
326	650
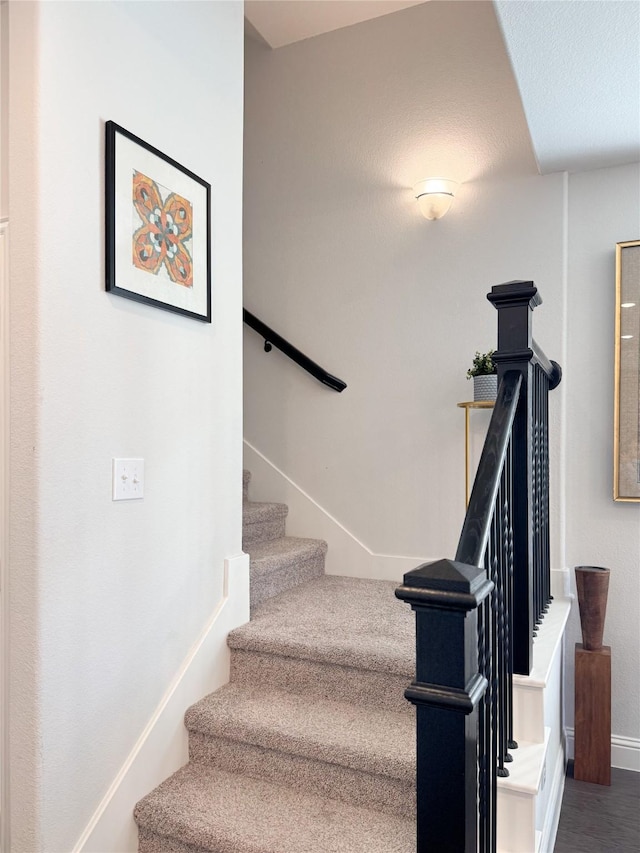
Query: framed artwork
626	438
158	228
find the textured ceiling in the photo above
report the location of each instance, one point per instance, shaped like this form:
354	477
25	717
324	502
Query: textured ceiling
577	65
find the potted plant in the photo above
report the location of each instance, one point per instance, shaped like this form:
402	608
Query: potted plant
485	376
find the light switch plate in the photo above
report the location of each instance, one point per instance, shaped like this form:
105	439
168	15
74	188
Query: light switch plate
128	479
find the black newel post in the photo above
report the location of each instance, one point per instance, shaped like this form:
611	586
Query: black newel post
447	689
515	303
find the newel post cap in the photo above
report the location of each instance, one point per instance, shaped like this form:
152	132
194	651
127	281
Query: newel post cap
445	584
515	293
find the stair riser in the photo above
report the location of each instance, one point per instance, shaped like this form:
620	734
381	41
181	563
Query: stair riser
267	585
528	713
151	842
516	825
246	477
263	531
323	680
382	793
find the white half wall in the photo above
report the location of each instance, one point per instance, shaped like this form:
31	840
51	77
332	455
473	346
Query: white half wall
107	599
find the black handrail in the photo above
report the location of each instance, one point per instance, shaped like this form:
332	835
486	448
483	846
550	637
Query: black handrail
551	368
272	338
477	522
476	616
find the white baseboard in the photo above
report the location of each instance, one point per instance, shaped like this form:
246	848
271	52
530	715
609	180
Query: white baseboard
625	751
347	555
162	747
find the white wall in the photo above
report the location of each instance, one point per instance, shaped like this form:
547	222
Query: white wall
339	260
4	417
4	106
604	208
108	598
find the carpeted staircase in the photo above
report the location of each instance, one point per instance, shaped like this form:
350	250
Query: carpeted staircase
311	746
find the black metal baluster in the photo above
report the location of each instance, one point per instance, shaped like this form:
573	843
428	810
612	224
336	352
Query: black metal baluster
502	731
490	755
493	758
503	755
484	822
535	501
498	744
543	494
488	700
547	550
505	696
543	497
511	743
490	712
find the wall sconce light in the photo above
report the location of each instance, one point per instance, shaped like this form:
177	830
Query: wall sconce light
434	195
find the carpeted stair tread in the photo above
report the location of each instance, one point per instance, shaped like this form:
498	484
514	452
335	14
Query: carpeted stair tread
337	620
364	739
219	812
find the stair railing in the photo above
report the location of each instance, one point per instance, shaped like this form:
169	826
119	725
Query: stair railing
469	641
273	339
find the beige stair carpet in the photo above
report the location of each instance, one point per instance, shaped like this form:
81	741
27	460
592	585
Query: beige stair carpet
202	809
311	746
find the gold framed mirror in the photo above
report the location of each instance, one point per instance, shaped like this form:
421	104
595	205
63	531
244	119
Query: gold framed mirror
626	437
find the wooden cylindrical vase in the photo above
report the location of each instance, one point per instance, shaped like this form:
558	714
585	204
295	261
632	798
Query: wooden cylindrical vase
592	680
592	583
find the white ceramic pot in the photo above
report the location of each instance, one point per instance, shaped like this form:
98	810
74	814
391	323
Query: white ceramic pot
485	387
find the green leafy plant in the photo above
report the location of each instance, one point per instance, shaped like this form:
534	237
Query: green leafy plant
483	365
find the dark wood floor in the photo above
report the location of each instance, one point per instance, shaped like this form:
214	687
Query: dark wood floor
599	819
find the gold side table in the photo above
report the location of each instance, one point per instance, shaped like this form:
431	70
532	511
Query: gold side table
472	404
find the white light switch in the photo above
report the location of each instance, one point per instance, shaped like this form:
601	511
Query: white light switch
128	479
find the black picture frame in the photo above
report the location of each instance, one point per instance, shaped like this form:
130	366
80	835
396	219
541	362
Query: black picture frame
158	227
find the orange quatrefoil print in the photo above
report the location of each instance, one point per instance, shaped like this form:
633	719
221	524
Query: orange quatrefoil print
166	227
